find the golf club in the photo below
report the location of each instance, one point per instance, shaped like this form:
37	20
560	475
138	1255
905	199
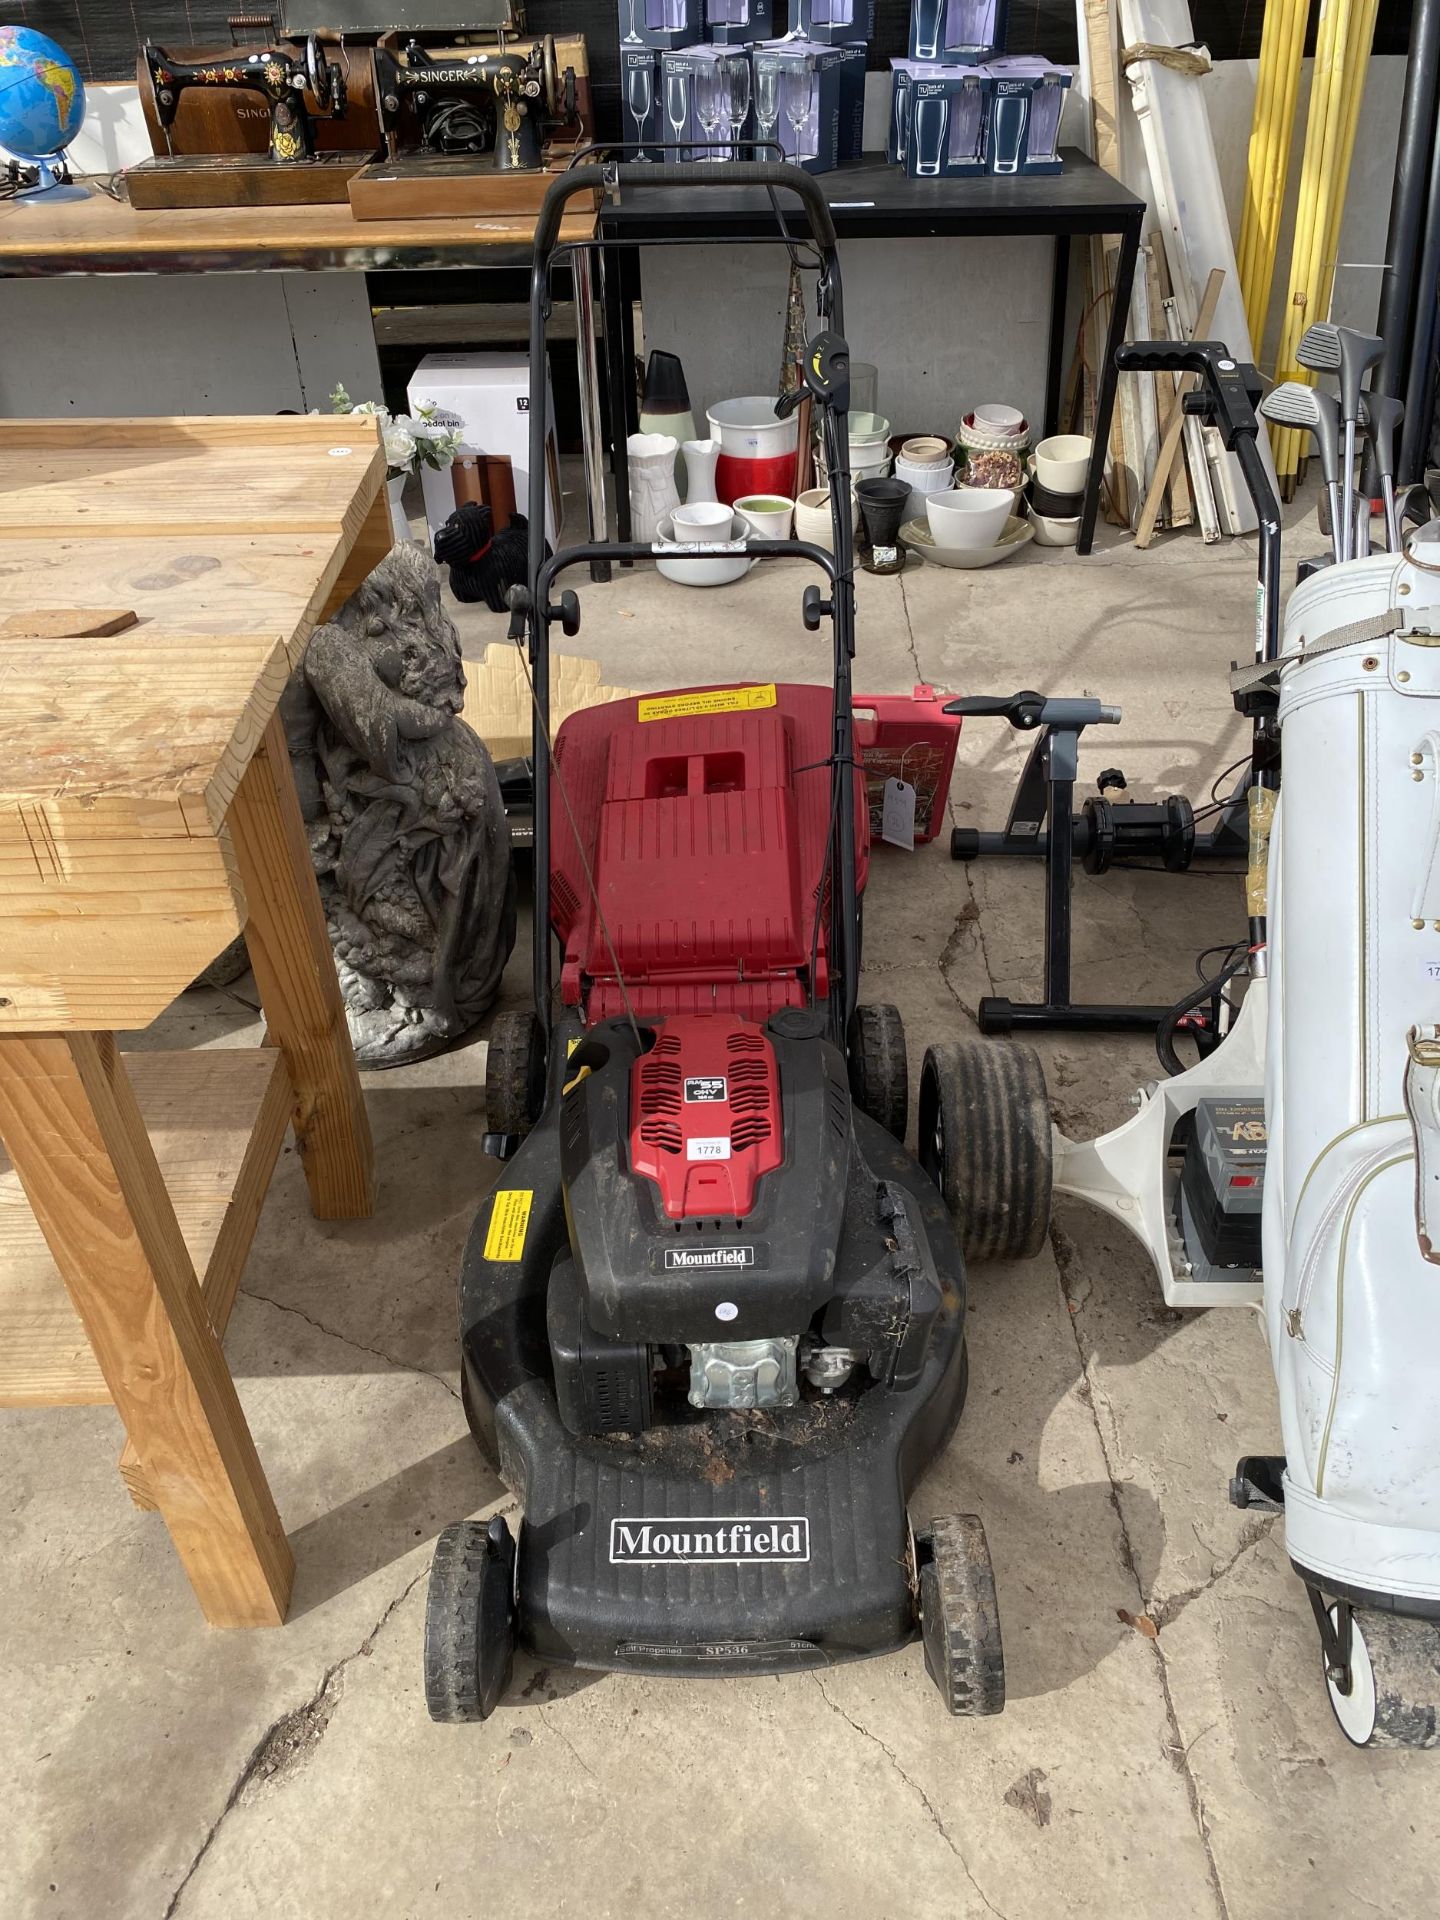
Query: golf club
1292	404
1358	353
1385	414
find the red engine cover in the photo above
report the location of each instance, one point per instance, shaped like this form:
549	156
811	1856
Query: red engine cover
705	1117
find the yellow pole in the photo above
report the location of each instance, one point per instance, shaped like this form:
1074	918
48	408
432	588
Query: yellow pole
1267	188
1320	131
1260	126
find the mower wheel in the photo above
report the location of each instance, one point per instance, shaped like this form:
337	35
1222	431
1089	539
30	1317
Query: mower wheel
985	1142
879	1070
470	1621
1394	1695
514	1074
959	1617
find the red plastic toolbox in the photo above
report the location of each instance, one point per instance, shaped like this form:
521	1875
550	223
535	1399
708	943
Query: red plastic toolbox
908	736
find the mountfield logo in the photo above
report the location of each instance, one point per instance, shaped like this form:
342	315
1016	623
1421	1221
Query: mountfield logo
707	1259
649	1543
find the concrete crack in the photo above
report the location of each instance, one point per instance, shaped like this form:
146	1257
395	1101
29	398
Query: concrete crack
283	1740
1175	1748
1251	1534
333	1333
910	635
561	1734
915	1787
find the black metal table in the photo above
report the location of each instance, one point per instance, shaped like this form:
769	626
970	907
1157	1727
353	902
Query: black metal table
873	201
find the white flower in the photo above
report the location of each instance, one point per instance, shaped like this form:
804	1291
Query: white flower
399	445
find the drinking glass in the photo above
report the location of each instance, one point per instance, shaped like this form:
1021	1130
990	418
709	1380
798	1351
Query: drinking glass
928	132
640	97
800	109
928	17
737	96
767	95
677	103
709	104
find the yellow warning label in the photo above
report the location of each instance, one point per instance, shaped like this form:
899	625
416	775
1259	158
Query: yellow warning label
675	706
571	1044
509	1223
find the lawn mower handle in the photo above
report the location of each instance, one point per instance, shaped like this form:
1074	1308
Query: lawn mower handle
714	173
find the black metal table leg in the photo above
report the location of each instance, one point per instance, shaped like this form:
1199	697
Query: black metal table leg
618	362
1055	352
1105	392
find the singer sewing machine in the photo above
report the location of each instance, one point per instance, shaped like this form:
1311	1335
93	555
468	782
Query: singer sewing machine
292	173
467	129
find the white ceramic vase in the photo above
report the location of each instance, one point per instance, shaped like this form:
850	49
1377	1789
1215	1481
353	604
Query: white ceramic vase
653	492
700	459
395	493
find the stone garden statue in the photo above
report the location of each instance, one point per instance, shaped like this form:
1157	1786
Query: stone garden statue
407	829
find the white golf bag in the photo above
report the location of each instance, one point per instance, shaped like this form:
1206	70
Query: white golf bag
1352	1201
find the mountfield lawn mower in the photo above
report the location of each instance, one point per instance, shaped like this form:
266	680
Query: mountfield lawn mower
712	1317
1306	1145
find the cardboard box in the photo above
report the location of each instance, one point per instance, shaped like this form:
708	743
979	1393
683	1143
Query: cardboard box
836	23
681	75
497	696
663	24
957	33
732	23
831	135
487	396
940	120
1026	102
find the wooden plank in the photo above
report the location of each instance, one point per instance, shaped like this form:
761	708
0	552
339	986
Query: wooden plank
137	478
1177	492
239	585
295	971
67	623
1145	531
69	1118
94	228
375	540
216	1119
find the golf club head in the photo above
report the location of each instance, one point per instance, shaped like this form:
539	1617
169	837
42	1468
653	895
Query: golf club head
1382	414
1292	404
1319	348
1358	353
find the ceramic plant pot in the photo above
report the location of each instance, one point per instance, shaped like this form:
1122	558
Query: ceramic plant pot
653	493
700	459
882	507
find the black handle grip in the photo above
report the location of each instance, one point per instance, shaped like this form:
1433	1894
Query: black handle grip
1169	356
715	173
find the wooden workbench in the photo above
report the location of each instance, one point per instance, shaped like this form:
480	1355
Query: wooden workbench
147	815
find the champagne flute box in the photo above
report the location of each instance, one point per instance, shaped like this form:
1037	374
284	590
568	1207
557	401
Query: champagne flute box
487	397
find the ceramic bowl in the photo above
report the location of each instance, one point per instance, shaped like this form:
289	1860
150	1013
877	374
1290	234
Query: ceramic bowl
1051	532
767	514
968	517
703	520
715	564
1062	462
812	517
995	418
747	427
936	476
868	427
918	538
926	450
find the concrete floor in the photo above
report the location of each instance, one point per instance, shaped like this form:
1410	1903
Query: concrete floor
158	1768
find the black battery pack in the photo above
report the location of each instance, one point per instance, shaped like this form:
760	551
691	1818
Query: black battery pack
1222	1184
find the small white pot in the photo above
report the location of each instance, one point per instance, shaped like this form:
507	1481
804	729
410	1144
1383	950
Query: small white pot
395	494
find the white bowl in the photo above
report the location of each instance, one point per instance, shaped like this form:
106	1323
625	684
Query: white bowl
767	523
1062	462
716	563
968	517
747	427
995	418
702	519
918	538
925	450
868	426
1050	532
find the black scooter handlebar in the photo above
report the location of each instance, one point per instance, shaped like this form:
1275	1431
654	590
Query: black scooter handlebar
715	173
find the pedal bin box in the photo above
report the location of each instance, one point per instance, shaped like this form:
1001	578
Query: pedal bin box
487	397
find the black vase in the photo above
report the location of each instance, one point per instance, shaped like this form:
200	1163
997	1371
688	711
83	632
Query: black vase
882	508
